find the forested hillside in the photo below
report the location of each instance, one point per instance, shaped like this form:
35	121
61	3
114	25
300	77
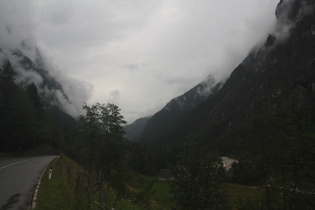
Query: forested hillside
276	75
262	116
25	124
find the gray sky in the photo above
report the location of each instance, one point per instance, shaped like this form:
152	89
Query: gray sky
138	54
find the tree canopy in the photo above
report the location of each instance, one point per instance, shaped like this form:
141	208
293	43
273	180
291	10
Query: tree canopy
198	178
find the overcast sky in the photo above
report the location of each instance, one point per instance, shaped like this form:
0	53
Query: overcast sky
139	54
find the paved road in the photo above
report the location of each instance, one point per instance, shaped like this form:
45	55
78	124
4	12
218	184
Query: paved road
18	178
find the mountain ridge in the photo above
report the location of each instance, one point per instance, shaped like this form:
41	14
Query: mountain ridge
174	110
279	73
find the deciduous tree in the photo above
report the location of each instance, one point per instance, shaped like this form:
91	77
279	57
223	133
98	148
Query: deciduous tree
198	181
101	134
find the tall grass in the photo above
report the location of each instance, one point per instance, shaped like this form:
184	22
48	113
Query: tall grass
66	191
56	193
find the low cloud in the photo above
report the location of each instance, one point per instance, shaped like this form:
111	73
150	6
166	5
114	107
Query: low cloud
16	23
140	53
206	86
114	97
18	42
289	13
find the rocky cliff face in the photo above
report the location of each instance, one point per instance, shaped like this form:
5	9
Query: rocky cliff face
281	73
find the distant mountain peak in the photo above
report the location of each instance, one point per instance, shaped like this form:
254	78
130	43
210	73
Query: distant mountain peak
155	127
278	75
192	97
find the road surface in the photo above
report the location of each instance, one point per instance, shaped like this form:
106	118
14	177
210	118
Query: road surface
18	178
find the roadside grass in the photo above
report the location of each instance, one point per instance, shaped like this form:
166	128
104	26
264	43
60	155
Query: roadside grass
4	156
61	192
56	194
37	151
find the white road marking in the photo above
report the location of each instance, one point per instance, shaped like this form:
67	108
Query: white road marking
16	163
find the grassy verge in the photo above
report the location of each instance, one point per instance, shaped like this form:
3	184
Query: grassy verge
4	156
37	151
66	190
56	193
